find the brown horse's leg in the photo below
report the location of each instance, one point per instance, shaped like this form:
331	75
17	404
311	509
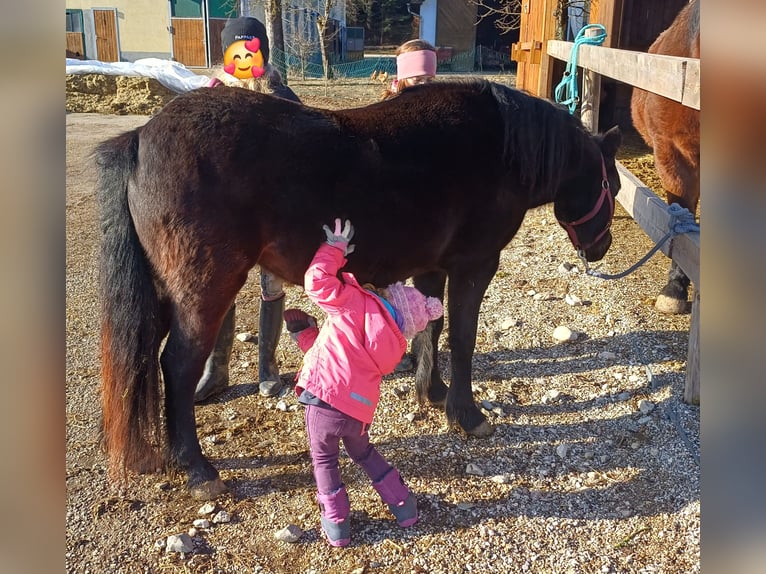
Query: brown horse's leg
680	178
428	381
467	286
191	339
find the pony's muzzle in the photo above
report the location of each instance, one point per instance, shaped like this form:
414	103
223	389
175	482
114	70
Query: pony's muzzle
597	251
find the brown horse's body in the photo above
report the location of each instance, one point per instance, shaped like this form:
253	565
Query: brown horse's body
436	182
673	132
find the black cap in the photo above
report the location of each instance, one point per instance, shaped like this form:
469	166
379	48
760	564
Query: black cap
245	29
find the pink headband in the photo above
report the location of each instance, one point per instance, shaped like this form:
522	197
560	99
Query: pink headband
414	64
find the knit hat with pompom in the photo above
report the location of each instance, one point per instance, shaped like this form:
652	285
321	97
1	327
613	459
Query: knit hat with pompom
414	309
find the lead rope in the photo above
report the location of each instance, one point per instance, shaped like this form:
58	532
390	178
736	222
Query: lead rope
681	221
566	91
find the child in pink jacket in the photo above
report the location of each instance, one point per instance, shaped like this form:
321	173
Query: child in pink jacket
362	339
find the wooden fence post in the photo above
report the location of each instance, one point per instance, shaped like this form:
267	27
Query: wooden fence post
591	93
692	386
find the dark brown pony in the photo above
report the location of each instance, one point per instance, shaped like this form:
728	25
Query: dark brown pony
673	132
436	182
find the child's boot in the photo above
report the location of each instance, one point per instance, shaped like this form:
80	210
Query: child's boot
401	502
334	510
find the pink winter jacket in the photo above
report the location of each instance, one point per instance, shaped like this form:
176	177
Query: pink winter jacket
358	344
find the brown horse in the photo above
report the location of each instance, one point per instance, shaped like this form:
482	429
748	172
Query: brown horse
673	132
436	181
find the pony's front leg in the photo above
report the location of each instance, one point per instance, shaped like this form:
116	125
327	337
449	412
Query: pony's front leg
182	365
466	291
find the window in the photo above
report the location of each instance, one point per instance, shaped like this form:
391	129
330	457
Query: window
222	8
74	21
186	8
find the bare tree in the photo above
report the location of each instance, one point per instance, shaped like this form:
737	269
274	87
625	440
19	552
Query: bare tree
273	16
326	34
301	39
508	13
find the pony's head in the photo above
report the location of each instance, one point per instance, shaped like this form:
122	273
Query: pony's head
587	214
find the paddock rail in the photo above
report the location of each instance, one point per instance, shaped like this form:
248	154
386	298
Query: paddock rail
672	77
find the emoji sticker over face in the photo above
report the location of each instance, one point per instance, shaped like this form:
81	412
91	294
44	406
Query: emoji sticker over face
243	59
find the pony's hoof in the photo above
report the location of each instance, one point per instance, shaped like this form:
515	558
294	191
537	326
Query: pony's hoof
671	306
208	490
482	430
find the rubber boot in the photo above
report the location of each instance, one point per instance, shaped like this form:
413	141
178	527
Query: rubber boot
269	330
334	509
401	502
215	377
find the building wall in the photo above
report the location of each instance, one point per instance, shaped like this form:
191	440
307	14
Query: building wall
142	26
455	26
428	21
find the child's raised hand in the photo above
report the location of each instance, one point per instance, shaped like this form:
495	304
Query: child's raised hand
340	238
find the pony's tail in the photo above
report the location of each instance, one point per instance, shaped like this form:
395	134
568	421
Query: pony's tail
422	344
130	317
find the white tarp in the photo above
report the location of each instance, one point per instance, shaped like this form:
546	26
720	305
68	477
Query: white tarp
172	75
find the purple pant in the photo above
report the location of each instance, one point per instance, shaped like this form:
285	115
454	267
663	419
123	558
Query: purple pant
325	428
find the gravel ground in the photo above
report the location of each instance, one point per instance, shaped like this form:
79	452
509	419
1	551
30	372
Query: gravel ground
594	465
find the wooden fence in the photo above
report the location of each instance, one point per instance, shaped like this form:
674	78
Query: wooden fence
677	79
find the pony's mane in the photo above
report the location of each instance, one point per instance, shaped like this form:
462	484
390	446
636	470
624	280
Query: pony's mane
541	138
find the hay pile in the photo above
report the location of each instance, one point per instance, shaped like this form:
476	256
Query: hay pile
121	95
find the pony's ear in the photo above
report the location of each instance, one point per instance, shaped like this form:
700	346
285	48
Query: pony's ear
610	141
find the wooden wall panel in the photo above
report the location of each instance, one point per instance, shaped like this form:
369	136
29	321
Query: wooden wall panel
106	35
189	42
75	47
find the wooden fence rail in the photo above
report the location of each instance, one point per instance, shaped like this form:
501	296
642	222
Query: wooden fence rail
677	79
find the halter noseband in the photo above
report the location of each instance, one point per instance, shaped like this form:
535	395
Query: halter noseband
605	193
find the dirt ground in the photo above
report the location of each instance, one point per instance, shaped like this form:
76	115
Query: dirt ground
594	465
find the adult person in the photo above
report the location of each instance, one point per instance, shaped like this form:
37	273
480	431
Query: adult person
245	46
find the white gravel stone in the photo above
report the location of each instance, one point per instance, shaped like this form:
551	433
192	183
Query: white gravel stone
181	543
221	517
572	300
245	337
290	533
207	508
201	523
508	323
563	333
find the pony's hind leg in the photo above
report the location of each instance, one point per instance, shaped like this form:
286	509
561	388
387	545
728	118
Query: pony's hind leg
425	346
191	339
